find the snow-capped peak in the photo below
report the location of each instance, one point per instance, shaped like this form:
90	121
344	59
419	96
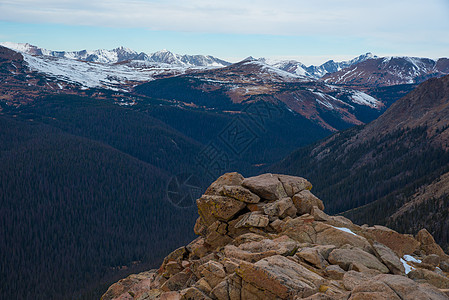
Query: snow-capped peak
124	49
250	58
121	54
330	66
21	47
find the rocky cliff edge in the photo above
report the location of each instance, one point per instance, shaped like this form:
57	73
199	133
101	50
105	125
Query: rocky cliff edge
267	237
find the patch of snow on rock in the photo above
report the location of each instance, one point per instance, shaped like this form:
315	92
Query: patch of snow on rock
407	267
345	230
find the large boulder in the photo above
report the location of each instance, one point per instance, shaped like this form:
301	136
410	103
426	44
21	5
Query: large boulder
213	272
305	201
217	235
389	258
300	229
432	260
253	219
136	283
280	276
228	179
228	289
254	251
177	282
428	244
352	279
293	185
312	256
339	236
427	276
239	193
213	208
282	245
346	257
401	244
373	290
280	208
266	186
334	272
388	286
188	294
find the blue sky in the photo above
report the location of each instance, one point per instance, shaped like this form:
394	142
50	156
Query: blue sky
309	31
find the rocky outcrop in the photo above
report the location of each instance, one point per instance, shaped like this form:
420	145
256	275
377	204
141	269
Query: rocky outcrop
267	237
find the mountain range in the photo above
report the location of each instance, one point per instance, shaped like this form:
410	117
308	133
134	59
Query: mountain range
389	71
330	66
366	70
122	54
251	80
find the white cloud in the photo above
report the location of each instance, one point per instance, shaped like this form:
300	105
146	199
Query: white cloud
381	24
288	17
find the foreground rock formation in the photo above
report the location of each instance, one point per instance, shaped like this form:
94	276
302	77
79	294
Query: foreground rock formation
267	237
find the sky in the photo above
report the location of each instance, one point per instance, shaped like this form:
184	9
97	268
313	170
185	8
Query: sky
309	31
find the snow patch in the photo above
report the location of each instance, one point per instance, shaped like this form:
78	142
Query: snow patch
408	268
345	230
278	72
325	103
88	74
410	258
365	99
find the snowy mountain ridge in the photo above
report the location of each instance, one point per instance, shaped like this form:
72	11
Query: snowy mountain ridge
298	68
92	75
391	70
122	54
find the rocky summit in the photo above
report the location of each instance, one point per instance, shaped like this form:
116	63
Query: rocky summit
268	237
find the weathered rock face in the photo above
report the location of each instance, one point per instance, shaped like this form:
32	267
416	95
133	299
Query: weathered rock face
267	237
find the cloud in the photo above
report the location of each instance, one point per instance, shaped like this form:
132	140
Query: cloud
281	17
383	23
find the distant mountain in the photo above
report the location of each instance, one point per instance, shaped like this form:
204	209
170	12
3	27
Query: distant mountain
328	106
362	72
331	108
368	70
388	71
61	72
123	54
167	57
392	171
328	67
252	80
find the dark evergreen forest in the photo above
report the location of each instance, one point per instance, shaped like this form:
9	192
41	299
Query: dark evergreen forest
73	209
